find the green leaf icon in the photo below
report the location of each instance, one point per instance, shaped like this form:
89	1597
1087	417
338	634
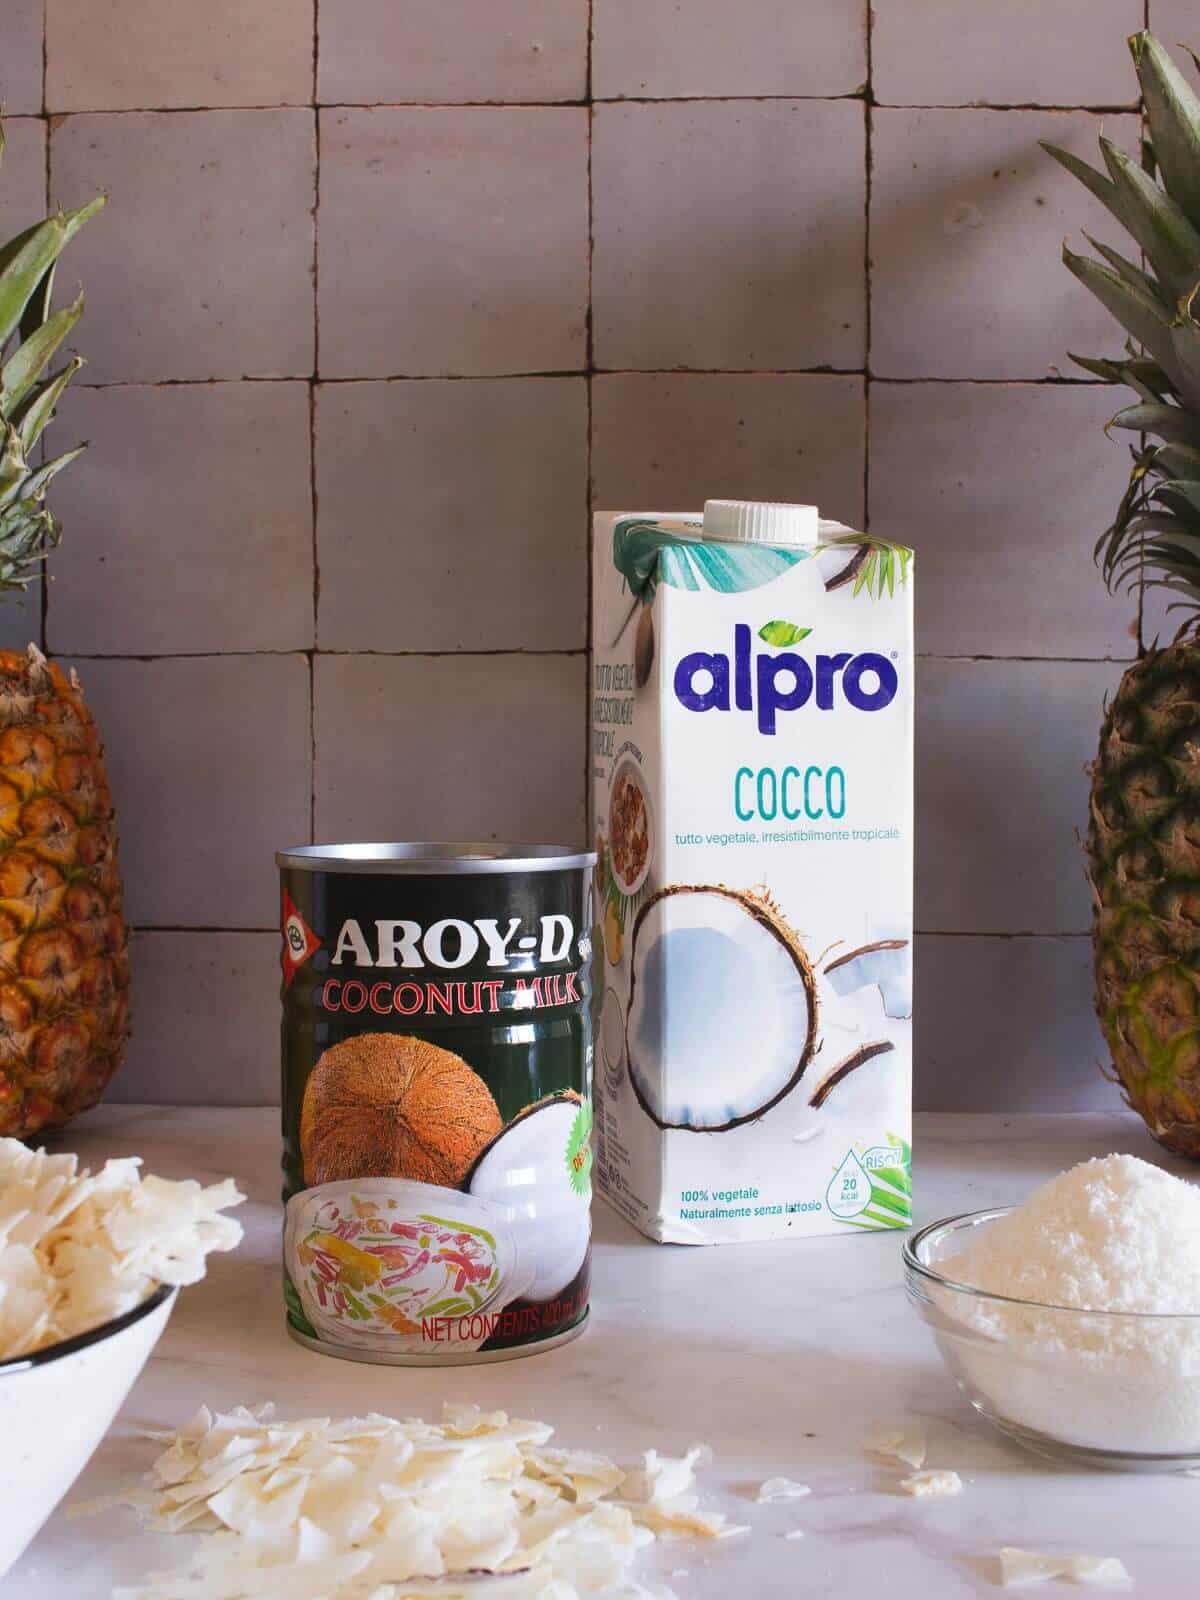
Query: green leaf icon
782	633
578	1152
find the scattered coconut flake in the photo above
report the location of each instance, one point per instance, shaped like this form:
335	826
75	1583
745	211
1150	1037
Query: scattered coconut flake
901	1443
1102	1572
476	1507
796	1533
932	1484
79	1248
1019	1569
781	1489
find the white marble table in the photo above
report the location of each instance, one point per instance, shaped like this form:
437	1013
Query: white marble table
779	1356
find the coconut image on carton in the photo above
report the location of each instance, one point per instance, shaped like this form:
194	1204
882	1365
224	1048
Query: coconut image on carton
389	1105
712	968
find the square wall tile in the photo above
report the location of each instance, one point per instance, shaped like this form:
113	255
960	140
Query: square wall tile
210	762
375	52
672	441
1042	1046
1003	52
205	1021
1176	22
451	747
23	176
1002	489
1001	792
192	503
658	48
453	241
22	202
723	241
21	59
968	215
221	53
417	553
201	264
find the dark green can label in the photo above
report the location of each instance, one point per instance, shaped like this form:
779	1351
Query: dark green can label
437	1055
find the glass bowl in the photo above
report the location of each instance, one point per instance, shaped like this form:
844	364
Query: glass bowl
1118	1389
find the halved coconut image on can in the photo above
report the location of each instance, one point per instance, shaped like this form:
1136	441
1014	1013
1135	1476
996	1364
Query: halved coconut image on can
389	1105
722	1018
374	1260
538	1169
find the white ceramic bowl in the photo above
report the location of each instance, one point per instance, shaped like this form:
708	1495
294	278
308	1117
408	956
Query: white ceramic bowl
56	1406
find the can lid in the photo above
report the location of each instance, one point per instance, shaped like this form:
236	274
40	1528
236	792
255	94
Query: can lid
760	521
434	859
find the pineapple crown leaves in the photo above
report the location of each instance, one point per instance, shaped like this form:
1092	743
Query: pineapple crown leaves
29	392
1154	539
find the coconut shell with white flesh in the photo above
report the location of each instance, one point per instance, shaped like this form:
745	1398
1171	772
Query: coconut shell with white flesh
887	963
388	1105
722	1019
526	1169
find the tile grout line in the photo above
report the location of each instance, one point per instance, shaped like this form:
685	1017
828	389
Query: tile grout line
590	358
868	157
312	431
43	599
1000	107
1057	382
519	650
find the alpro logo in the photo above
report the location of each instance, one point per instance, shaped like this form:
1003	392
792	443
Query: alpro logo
780	680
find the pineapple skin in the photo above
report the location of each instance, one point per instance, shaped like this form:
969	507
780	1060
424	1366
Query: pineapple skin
64	965
1143	848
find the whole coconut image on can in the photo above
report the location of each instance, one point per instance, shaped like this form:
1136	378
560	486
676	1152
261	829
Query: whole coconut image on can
437	1063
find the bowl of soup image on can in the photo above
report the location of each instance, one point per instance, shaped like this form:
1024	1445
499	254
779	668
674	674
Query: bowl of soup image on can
437	1062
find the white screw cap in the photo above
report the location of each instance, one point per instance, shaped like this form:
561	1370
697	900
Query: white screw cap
760	522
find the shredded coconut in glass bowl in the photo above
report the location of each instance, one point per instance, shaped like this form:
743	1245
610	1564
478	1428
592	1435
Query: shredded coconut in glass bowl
79	1248
1085	1330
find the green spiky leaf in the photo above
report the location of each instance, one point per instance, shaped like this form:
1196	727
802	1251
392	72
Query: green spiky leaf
1173	113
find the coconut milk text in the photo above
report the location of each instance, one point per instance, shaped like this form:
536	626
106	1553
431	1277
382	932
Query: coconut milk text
752	781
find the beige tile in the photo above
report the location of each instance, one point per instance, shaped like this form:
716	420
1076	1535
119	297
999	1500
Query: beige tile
201	265
193	503
21	58
209	760
482	215
968	216
1002	489
23	176
1003	52
1175	22
377	52
205	1021
1001	793
22	202
154	54
453	515
1007	1025
451	747
758	47
674	440
722	241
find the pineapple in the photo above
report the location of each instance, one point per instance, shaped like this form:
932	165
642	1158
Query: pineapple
64	976
1143	841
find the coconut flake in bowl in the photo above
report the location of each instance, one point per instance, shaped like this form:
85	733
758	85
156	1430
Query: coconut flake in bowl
1072	1322
89	1267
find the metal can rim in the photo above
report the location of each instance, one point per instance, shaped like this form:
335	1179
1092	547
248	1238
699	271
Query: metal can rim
433	859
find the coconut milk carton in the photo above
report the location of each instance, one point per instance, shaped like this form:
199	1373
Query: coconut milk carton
752	769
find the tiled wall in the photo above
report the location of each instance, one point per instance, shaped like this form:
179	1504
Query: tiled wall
385	295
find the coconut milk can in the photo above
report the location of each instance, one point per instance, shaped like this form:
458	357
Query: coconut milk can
437	1054
752	708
